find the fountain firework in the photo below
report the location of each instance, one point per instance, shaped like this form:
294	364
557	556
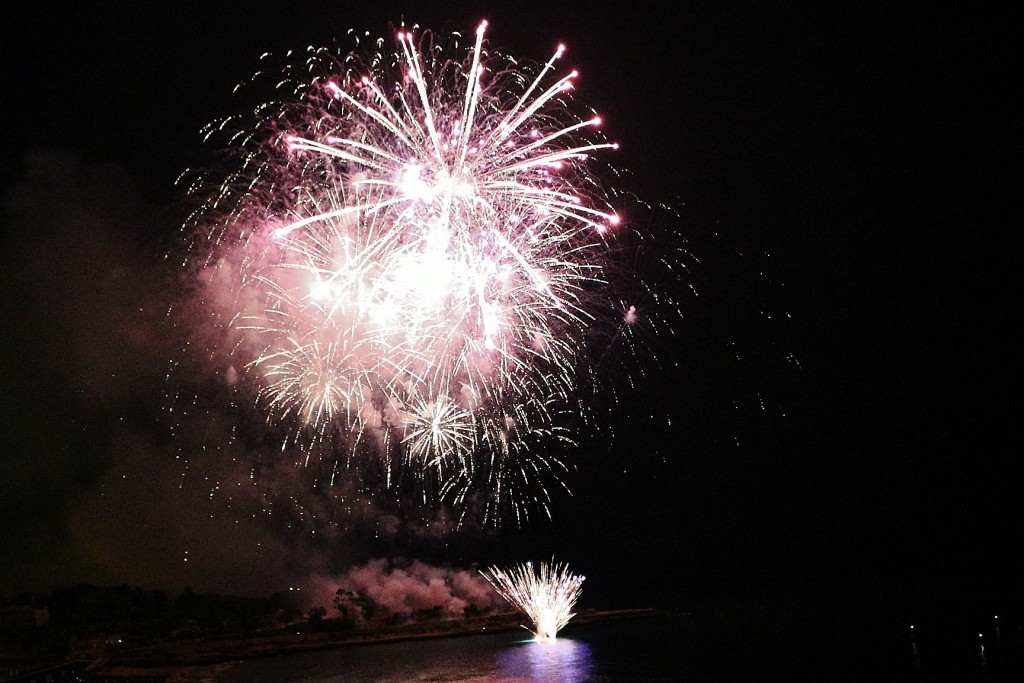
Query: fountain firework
410	263
546	594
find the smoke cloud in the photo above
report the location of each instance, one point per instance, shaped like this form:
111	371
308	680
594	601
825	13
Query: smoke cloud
129	457
396	588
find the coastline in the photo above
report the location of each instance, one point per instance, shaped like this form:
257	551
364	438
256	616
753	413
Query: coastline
170	662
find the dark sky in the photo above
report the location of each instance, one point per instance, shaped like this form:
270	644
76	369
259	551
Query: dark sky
837	412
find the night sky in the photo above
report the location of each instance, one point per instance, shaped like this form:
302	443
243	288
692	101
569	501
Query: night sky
837	414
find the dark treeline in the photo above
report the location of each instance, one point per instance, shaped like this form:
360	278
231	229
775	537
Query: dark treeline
92	618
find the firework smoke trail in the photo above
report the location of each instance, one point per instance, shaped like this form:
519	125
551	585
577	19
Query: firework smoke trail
546	594
407	264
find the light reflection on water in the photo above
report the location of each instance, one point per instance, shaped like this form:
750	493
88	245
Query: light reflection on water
627	651
561	660
498	658
655	651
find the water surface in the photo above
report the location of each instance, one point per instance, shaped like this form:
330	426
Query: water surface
649	650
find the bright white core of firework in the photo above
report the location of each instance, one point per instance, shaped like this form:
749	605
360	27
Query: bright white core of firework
546	594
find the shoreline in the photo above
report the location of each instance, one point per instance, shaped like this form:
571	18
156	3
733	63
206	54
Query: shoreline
172	661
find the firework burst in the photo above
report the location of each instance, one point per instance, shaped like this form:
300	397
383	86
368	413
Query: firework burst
546	594
409	262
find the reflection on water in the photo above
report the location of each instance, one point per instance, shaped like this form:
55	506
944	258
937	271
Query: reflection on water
658	650
498	658
494	658
560	660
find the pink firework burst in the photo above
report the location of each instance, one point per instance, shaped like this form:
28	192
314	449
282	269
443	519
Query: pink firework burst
409	259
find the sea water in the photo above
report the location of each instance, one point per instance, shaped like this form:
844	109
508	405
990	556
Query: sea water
641	650
620	650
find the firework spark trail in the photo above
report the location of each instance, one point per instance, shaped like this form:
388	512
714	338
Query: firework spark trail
546	594
417	248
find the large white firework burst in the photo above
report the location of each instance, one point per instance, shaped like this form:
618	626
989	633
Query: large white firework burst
546	594
409	260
